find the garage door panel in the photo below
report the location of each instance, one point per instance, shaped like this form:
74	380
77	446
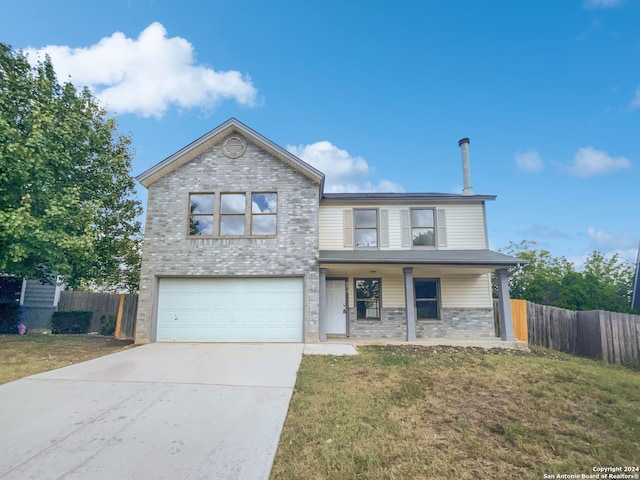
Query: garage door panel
230	310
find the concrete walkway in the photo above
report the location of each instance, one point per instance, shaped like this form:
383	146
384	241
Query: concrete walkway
161	411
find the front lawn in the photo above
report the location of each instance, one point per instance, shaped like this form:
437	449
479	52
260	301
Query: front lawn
24	355
412	412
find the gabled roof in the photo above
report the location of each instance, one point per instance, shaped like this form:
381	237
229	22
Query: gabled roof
484	258
214	137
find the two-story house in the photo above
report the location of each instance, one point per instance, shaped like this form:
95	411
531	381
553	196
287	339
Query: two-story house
243	245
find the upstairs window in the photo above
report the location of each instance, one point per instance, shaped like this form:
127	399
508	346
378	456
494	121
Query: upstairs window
245	214
232	214
423	227
365	224
201	213
264	211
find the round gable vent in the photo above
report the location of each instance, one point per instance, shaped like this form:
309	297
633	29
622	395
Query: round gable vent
234	146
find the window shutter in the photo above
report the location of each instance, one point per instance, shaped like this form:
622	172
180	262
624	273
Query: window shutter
405	224
442	228
348	228
384	228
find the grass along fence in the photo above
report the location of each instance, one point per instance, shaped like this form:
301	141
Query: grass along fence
124	306
609	336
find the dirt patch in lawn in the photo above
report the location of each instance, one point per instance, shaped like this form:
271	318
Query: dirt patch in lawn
422	412
25	355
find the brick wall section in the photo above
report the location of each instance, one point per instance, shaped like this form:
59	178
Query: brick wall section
391	325
455	323
293	252
459	322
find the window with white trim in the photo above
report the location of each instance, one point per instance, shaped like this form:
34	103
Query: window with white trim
365	225
423	232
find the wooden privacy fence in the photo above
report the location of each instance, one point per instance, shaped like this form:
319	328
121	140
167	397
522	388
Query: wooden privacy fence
124	306
518	319
609	336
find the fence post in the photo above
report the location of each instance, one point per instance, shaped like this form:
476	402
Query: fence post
116	334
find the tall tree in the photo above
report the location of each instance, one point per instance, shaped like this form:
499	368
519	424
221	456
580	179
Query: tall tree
67	204
603	284
540	280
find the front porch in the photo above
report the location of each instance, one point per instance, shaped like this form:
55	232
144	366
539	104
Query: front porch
419	302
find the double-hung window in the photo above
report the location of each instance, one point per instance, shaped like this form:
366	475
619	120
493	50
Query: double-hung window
232	214
426	291
201	213
365	222
264	211
368	298
423	232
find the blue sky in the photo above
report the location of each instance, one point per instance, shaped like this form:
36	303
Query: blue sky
377	95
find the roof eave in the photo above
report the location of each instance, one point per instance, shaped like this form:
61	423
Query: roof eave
388	198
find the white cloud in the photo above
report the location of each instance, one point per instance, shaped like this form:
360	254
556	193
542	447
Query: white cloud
625	245
147	75
588	161
635	103
529	161
344	173
603	3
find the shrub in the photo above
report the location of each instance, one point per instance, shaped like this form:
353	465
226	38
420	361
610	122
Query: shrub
9	317
77	321
108	324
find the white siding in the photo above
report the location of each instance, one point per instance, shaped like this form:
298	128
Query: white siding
456	291
465	225
393	292
466	291
331	228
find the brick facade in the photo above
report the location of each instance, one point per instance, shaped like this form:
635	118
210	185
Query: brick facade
455	323
292	252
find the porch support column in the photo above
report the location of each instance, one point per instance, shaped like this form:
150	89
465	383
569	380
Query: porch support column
504	305
322	321
410	302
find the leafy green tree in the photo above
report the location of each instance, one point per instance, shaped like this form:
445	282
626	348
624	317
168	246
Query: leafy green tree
540	280
67	204
603	284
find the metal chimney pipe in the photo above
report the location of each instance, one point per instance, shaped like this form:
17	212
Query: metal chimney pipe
464	148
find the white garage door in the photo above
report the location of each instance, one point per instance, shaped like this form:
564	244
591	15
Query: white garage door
230	310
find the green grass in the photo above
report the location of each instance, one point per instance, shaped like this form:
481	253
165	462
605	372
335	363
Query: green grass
410	412
24	355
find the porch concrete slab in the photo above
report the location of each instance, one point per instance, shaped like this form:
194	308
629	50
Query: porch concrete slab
188	411
329	349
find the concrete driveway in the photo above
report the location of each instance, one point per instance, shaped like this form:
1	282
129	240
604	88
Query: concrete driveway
161	411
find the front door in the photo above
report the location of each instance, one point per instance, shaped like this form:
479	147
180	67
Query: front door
336	307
